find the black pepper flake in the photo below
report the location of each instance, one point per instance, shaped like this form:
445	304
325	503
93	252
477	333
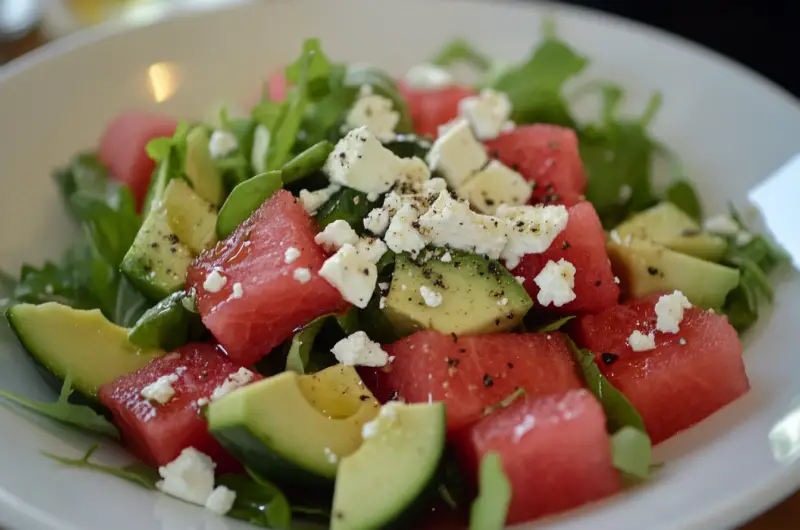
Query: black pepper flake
510	316
393	395
510	366
609	358
154	244
487	380
452	362
652	271
173	250
462	350
172	238
338	514
455	337
566	246
363	397
493	267
496	321
365	271
598	283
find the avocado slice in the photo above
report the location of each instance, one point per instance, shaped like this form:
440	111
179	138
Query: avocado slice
79	343
668	225
478	295
293	428
201	171
645	268
178	228
393	471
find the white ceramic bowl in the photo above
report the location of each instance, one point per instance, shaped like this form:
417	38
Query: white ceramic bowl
732	128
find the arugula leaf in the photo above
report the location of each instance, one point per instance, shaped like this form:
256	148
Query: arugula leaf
631	452
313	67
490	508
535	86
297	359
159	149
460	51
111	226
683	195
555	325
518	393
619	411
258	501
62	410
137	472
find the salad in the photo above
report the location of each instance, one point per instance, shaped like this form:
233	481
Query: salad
378	301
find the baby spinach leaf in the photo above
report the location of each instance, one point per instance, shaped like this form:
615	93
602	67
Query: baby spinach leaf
631	452
619	411
258	501
346	204
683	195
313	67
460	51
298	357
65	412
159	148
165	325
305	163
245	199
137	472
490	508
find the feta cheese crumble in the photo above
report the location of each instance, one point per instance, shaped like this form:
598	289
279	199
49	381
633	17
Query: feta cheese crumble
457	154
235	380
361	162
641	342
531	229
432	298
382	302
374	112
336	235
447	257
428	76
494	185
190	477
723	225
221	500
387	417
214	281
377	221
222	143
302	275
313	200
487	113
402	234
291	255
161	390
358	350
556	281
669	311
371	248
353	275
238	290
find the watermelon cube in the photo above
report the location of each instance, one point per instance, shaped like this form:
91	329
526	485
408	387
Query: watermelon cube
157	433
273	303
582	243
555	452
688	375
431	108
122	148
472	373
546	155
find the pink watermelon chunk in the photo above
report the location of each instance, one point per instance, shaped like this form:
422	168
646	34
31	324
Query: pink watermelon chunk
431	108
277	86
546	155
122	148
273	303
158	433
686	378
555	452
582	243
472	373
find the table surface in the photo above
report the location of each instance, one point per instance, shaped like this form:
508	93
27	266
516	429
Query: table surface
785	516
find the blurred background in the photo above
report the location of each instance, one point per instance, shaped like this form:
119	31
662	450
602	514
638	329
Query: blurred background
760	34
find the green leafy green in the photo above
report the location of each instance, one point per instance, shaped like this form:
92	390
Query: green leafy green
137	472
619	411
305	163
346	204
258	501
508	400
111	225
298	357
312	67
159	149
555	325
490	508
166	324
460	51
683	195
62	410
245	199
349	321
632	452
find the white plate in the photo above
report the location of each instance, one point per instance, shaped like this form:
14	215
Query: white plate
732	128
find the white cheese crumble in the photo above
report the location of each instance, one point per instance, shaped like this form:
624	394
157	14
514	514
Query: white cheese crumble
214	281
531	229
235	380
331	456
487	113
434	186
258	156
383	286
302	275
556	281
353	275
377	221
382	302
502	302
336	235
722	224
291	255
669	311
387	417
190	477
432	298
371	248
447	257
313	200
358	350
641	342
402	235
221	500
238	290
161	390
202	402
374	112
682	342
361	162
222	143
494	185
457	154
413	175
428	76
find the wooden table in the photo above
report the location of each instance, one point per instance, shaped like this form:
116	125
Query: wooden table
785	516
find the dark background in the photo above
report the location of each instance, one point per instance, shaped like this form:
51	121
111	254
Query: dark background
763	34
